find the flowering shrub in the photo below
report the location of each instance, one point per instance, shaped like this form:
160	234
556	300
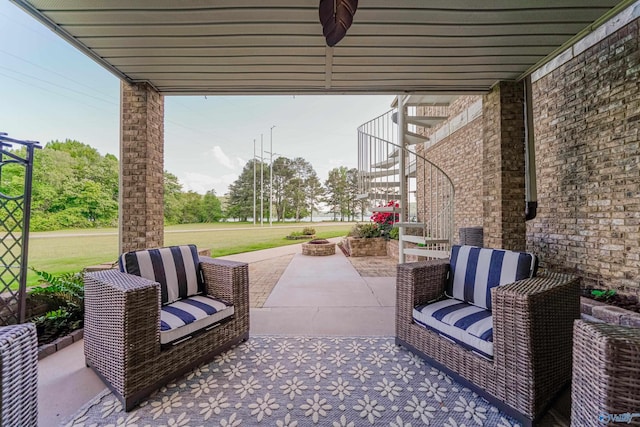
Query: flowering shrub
385	220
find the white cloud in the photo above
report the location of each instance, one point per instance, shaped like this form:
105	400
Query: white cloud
201	183
222	158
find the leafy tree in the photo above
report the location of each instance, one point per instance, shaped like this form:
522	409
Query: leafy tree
314	193
73	186
212	208
192	208
172	199
337	196
283	173
241	193
354	205
298	186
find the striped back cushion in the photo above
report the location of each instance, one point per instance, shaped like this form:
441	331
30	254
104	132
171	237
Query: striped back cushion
474	271
176	268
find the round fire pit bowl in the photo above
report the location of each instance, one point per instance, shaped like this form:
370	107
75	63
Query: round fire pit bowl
318	247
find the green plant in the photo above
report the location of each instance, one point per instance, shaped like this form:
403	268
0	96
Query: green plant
365	230
68	287
394	233
308	231
64	296
298	235
603	294
57	323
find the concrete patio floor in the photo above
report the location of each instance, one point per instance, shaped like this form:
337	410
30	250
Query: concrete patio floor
290	294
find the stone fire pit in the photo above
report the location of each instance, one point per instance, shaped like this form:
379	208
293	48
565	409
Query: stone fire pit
318	247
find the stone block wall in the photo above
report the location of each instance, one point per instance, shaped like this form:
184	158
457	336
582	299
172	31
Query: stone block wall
376	246
587	116
141	219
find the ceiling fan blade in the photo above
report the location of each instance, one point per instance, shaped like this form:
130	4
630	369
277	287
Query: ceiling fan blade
336	16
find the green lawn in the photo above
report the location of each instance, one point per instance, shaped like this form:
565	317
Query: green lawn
72	250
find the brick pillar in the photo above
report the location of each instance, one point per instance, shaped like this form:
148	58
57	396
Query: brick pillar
141	222
503	167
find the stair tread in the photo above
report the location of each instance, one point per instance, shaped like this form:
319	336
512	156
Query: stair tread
379	174
385	164
410	224
385	209
425	121
424	240
427	253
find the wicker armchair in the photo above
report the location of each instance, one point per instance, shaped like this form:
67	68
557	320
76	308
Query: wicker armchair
122	335
532	335
606	375
19	375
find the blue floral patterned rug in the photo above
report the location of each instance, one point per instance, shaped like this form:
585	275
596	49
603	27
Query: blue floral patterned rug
305	381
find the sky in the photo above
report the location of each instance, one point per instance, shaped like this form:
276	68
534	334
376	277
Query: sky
51	91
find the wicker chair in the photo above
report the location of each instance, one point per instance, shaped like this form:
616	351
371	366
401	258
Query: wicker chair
19	375
532	333
606	375
122	335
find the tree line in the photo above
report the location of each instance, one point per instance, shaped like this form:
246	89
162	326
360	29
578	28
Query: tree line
295	191
74	186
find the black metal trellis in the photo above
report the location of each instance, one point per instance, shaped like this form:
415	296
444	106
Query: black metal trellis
15	209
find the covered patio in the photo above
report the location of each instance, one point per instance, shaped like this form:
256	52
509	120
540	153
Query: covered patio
404	47
562	75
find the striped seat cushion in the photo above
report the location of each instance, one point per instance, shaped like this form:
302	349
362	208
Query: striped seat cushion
176	268
466	324
475	271
183	318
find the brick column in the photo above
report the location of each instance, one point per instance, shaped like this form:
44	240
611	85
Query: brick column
503	167
141	222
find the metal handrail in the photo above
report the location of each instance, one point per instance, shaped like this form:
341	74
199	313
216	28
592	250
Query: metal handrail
380	175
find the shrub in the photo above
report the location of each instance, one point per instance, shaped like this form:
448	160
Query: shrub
385	220
365	230
308	231
56	324
65	294
394	233
298	235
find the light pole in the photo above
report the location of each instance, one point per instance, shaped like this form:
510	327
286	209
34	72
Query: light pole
271	176
254	182
261	182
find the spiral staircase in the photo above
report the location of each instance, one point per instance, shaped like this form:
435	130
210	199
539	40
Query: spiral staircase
393	170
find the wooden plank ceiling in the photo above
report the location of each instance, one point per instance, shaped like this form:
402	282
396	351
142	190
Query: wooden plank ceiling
276	46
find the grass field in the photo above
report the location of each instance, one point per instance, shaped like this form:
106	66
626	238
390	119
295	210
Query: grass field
72	250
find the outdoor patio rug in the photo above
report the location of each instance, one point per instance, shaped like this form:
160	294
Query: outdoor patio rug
305	381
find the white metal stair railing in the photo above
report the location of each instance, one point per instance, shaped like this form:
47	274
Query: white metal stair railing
426	205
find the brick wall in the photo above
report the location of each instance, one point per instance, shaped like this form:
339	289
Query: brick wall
503	180
460	157
141	168
587	115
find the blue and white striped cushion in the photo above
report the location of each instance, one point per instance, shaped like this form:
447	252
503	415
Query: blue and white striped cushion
176	268
464	323
474	271
184	317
